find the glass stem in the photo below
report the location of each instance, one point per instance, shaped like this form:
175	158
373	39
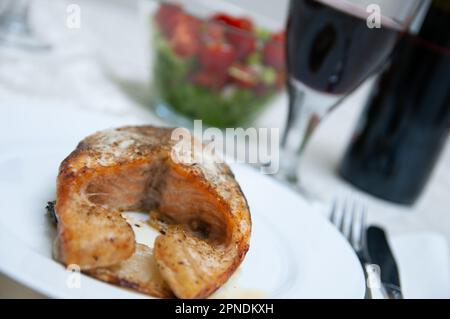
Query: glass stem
15	17
306	109
295	134
15	29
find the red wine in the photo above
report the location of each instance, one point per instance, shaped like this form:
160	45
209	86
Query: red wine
331	49
406	121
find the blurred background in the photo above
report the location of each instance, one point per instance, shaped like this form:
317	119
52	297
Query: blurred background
112	57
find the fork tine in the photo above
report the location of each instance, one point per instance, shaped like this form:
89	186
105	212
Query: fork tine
362	228
332	216
351	231
341	224
354	213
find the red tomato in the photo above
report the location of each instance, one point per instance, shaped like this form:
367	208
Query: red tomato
217	57
273	52
280	37
243	41
166	18
239	34
222	17
213	32
185	40
209	79
242	23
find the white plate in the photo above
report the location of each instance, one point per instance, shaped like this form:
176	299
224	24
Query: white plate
294	252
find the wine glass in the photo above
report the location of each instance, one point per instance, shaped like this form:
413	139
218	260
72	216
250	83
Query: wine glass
333	46
15	29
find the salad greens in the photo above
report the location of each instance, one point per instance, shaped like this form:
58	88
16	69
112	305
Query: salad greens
203	86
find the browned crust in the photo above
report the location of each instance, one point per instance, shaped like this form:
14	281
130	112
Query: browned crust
77	222
122	248
147	280
236	246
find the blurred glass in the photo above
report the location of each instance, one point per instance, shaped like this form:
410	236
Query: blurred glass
15	29
213	61
406	121
333	46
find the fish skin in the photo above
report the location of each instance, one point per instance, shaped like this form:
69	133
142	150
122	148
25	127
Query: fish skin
139	272
131	169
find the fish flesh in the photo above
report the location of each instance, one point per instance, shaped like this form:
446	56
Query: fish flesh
206	224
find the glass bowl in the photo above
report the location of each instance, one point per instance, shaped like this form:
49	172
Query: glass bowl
213	61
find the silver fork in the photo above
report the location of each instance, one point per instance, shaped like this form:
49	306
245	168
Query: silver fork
355	216
356	232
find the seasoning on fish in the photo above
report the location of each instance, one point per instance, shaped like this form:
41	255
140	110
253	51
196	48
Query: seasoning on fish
203	211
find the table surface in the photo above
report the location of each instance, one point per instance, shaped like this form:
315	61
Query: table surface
126	58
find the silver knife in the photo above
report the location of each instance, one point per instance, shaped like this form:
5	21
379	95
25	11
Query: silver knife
379	253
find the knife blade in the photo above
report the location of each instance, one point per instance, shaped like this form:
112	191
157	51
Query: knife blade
379	253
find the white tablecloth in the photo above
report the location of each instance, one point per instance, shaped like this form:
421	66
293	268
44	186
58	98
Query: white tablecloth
112	38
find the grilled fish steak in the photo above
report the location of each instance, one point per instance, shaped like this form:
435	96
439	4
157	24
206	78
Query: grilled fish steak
139	272
132	169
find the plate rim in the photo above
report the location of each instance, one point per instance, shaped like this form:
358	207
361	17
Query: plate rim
48	290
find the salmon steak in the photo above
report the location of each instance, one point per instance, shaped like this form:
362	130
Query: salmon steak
197	205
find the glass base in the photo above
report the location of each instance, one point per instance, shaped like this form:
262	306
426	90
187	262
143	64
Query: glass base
23	41
292	182
163	111
298	187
